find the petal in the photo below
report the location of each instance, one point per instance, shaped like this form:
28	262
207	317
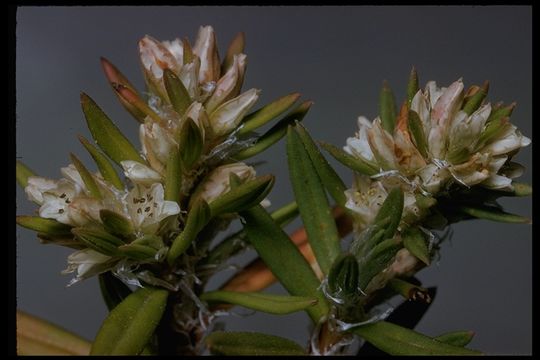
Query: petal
189	75
176	48
382	145
420	105
37	186
509	141
224	87
447	104
197	113
155	57
160	140
205	48
229	115
139	173
497	182
70	172
433	93
217	182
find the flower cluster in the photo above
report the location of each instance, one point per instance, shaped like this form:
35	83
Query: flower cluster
190	134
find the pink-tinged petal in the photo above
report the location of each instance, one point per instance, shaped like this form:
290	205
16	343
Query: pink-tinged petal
229	115
224	87
509	141
407	155
447	105
420	105
176	48
498	182
382	145
433	93
140	173
155	57
205	48
37	186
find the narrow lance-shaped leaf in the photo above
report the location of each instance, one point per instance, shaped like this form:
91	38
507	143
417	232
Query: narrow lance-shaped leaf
312	203
39	337
130	325
138	251
86	177
243	196
359	165
409	291
268	303
473	103
391	208
106	134
47	226
267	113
114	76
277	131
235	47
387	108
396	340
98	239
494	214
416	130
134	100
199	215
173	176
234	243
115	223
412	86
376	261
178	95
112	289
23	172
329	178
105	167
283	258
251	343
343	276
190	142
456	338
415	242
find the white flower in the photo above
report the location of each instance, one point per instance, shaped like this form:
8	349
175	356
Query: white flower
146	207
205	48
359	145
87	263
229	115
140	173
217	182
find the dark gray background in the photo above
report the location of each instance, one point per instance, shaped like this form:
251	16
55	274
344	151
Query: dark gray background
337	56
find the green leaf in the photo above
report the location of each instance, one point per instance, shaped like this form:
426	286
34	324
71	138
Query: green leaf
112	289
39	337
153	241
243	196
130	325
330	179
116	77
391	208
278	131
98	239
173	176
23	172
376	261
251	343
87	177
312	203
234	243
115	223
138	251
133	99
409	291
473	103
456	338
199	215
357	164
414	241
50	227
268	303
105	167
387	108
343	276
412	86
416	129
260	117
235	47
106	134
178	95
396	340
283	258
190	142
494	214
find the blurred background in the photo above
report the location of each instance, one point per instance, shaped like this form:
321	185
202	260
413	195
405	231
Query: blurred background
336	56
